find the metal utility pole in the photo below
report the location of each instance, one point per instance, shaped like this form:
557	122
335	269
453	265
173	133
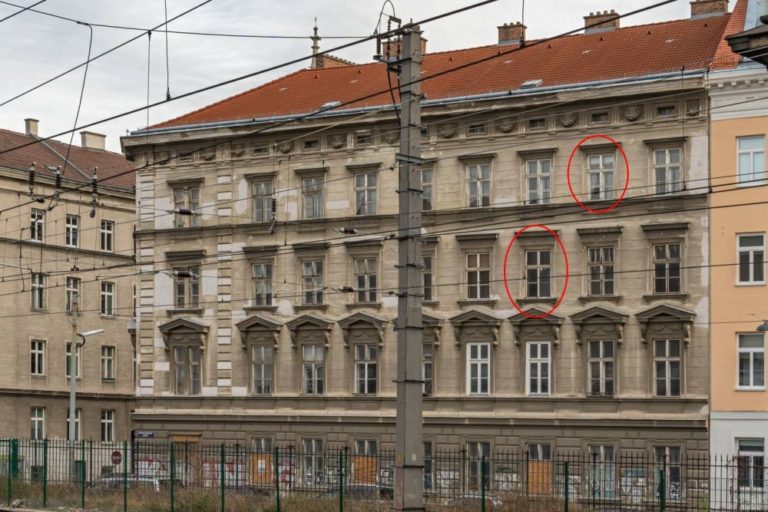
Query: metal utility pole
409	447
73	360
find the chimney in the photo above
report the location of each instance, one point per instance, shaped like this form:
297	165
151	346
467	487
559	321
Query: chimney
93	140
30	126
610	18
391	49
706	8
512	33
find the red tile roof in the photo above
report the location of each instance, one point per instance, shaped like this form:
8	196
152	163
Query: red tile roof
45	154
724	57
634	51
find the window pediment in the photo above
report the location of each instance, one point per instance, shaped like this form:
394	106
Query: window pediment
599	323
362	327
259	329
184	331
536	329
260	250
310	329
665	230
666	321
475	325
193	255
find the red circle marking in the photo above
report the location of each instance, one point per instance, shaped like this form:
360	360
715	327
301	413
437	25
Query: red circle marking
626	174
567	272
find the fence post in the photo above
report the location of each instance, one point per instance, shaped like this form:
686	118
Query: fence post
277	479
483	482
222	474
82	474
662	492
8	472
45	473
173	474
125	476
566	488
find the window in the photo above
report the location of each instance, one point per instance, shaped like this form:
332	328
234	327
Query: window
76	361
601	376
478	185
261	445
37	423
538	368
538	179
313	197
751	464
477	129
478	276
37	357
426	189
187	370
600	171
602	471
363	139
261	193
539	123
77	425
751	259
429	469
312	281
666	171
186	204
478	454
314	369
107	425
751	159
314	462
751	361
311	145
668	459
478	368
72	231
538	270
38	291
427	278
107	235
107	298
261	369
37	225
666	267
107	362
427	368
366	356
71	293
539	451
187	286
365	279
667	367
666	110
600	271
598	117
365	193
262	284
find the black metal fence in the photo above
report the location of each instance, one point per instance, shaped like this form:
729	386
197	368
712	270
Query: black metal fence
160	475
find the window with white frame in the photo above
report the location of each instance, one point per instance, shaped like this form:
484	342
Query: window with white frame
538	273
751	259
365	279
77	425
751	159
366	366
107	235
668	460
667	175
76	363
666	268
37	357
538	180
601	377
72	231
71	293
186	203
314	462
478	276
600	173
261	275
38	290
538	368
427	277
262	197
539	451
261	445
107	362
667	367
478	368
312	281
37	423
752	361
262	368
751	464
478	453
312	190
427	368
107	298
365	193
187	286
37	225
366	447
107	425
426	188
313	369
600	271
602	471
187	370
478	185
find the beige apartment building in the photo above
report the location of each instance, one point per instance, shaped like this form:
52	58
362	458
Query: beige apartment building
62	246
267	296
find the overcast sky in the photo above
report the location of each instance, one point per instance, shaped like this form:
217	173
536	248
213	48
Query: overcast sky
37	47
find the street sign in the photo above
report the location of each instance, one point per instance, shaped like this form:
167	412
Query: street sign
117	457
143	434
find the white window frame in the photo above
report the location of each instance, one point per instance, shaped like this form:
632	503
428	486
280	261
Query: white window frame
366	279
538	171
107	235
672	171
186	197
541	271
479	186
37	423
366	359
78	359
262	195
602	361
668	360
668	261
312	197
605	176
427	176
185	367
262	363
261	283
752	178
108	354
366	190
428	368
107	298
480	289
603	265
78	415
189	286
38	291
428	277
313	369
37	225
71	293
312	281
314	462
757	470
37	357
750	251
72	230
541	364
478	360
107	424
753	353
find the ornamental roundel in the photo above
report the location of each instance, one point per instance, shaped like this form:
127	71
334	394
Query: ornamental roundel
285	147
447	131
632	112
338	140
567	119
507	125
392	136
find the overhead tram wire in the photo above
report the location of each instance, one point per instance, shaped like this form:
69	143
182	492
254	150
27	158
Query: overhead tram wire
322	109
23	9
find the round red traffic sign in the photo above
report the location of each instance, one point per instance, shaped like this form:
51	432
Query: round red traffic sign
117	457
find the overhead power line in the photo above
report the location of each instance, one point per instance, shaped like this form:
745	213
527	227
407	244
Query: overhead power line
23	9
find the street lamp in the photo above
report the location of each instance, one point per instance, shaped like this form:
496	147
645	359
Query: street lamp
763	327
74	353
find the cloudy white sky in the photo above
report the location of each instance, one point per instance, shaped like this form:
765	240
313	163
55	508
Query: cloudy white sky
36	47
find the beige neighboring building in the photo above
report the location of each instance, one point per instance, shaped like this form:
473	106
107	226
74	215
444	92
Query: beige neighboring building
280	330
51	252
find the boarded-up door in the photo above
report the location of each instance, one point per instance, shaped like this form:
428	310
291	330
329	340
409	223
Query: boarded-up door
364	469
261	470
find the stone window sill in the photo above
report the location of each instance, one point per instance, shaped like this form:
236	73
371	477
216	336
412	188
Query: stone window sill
184	311
491	303
430	303
536	300
303	307
361	305
250	309
665	296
